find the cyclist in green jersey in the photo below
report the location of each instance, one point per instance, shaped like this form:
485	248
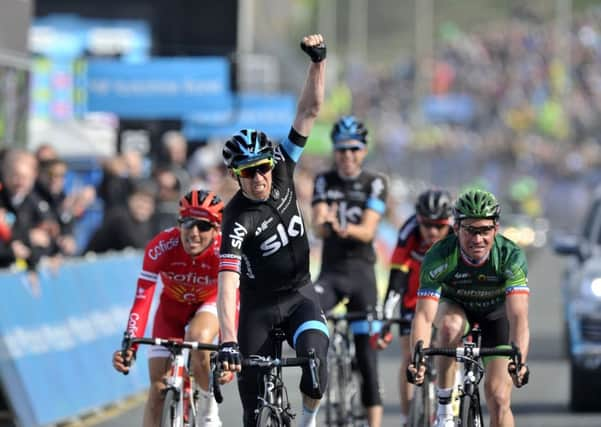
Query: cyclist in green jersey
475	276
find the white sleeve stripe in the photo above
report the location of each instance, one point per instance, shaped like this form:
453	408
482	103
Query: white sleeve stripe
146	275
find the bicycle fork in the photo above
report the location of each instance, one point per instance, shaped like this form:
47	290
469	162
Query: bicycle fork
176	383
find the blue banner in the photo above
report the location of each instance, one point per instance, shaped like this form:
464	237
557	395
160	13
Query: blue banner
159	88
272	114
56	347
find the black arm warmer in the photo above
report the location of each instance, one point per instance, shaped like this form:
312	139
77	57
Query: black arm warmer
398	282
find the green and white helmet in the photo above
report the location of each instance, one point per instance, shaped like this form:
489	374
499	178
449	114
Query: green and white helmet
476	203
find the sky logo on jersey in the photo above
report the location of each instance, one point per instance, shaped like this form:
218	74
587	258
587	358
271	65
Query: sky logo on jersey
238	235
162	247
280	239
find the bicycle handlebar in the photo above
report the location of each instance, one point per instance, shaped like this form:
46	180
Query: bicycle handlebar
351	316
267	362
464	353
176	344
215	369
369	316
467	352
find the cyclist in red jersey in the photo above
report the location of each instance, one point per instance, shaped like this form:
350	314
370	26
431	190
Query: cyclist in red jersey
184	262
430	224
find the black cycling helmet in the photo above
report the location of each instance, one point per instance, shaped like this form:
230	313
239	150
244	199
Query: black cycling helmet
476	203
434	204
348	128
245	147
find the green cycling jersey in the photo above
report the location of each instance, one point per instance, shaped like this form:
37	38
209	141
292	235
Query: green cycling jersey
478	289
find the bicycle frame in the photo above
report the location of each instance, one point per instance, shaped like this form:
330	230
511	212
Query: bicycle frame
275	395
179	394
470	355
343	404
342	390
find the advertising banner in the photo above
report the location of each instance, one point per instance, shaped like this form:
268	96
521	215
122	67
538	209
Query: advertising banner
160	88
56	346
272	114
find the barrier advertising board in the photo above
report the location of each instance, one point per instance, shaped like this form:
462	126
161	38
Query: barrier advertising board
56	346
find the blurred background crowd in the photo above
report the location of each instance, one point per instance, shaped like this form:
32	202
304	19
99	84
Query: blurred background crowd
513	106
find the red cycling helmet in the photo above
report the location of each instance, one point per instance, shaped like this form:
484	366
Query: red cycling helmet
201	204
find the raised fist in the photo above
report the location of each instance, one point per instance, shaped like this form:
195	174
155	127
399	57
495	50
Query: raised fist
314	46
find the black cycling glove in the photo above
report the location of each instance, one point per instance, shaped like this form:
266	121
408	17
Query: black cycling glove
229	352
317	53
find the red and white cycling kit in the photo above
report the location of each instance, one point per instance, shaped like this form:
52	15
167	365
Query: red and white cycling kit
189	285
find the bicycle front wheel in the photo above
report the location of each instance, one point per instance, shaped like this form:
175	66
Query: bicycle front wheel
171	416
469	412
422	411
268	417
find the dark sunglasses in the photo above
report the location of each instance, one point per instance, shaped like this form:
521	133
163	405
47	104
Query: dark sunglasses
251	171
436	225
189	223
478	230
343	149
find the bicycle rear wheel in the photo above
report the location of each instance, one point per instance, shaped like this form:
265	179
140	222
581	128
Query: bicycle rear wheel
337	399
171	416
355	415
332	393
268	417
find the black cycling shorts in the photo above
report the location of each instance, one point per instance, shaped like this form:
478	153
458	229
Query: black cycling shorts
356	280
299	315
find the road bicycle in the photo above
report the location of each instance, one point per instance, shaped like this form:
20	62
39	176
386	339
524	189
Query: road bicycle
273	408
343	406
470	356
180	394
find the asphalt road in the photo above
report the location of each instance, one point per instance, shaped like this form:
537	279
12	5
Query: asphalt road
544	402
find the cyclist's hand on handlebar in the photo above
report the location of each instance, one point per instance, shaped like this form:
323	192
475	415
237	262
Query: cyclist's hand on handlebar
415	375
225	377
123	364
314	46
520	376
229	356
380	340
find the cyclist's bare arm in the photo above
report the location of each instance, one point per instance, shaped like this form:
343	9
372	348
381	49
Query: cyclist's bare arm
323	214
312	94
519	330
226	304
365	231
425	312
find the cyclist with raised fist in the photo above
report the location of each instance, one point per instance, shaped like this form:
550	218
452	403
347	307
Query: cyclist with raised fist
265	251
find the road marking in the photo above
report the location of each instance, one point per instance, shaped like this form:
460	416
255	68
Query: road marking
106	413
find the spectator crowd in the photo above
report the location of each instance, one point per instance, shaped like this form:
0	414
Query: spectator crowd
533	114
